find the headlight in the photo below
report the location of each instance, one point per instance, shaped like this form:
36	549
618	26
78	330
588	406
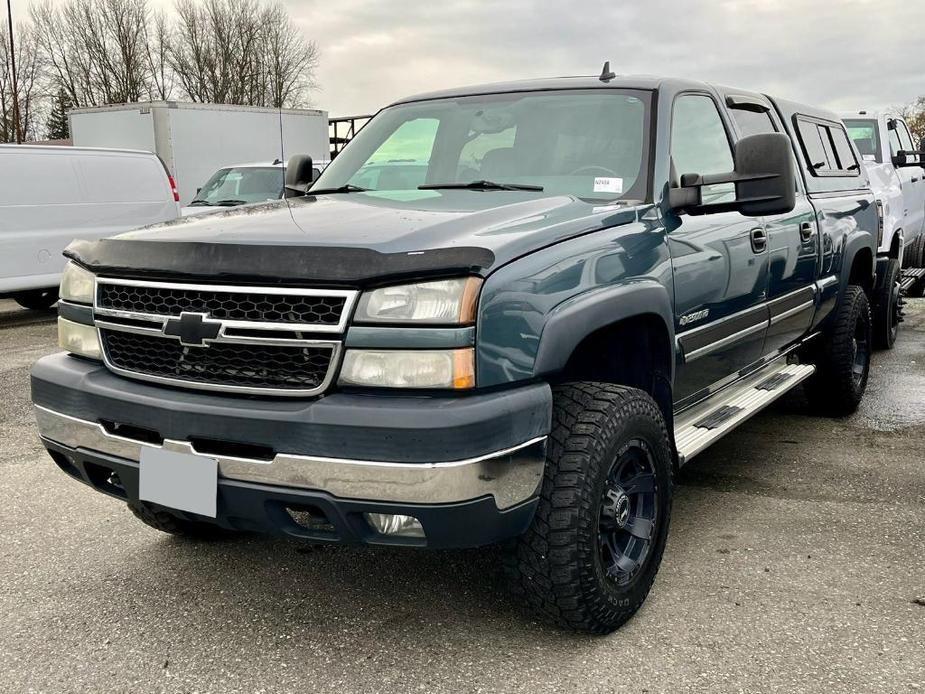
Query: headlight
78	338
451	368
77	284
448	302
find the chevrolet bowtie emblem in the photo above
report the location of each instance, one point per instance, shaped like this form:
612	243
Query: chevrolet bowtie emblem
193	329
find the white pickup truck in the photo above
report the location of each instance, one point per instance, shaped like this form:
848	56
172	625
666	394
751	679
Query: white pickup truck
896	168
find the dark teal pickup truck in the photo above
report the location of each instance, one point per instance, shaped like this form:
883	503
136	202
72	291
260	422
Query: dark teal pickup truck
574	287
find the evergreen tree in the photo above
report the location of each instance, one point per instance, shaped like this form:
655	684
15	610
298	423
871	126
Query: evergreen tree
56	127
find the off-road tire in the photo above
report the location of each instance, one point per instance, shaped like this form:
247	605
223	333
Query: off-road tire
887	303
170	524
836	389
917	252
37	299
556	567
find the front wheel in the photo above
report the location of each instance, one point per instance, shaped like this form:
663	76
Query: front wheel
590	556
843	359
172	525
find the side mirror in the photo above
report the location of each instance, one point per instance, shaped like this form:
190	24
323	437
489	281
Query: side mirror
905	158
299	175
763	178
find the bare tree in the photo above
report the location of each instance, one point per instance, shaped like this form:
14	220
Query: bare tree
157	40
914	114
291	61
241	52
102	51
80	53
29	78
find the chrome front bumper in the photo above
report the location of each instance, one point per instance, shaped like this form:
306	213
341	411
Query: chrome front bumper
510	476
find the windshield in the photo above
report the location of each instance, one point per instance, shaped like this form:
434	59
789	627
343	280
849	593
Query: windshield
589	143
866	136
240	185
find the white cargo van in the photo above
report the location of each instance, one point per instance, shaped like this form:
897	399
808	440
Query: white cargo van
50	196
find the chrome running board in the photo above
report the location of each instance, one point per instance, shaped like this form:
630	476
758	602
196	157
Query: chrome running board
706	422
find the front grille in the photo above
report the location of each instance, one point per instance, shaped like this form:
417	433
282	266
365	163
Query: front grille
231	365
243	305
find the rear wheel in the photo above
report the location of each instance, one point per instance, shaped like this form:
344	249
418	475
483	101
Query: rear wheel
590	556
843	358
37	299
170	524
887	307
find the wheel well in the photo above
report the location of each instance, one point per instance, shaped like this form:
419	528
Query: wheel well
634	352
895	245
862	270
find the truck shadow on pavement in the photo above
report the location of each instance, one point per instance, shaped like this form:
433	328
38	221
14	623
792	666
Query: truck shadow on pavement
378	593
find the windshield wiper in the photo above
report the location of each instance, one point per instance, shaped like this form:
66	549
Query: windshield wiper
480	185
196	203
230	203
346	188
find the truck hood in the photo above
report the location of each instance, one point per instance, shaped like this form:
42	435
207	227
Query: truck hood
356	238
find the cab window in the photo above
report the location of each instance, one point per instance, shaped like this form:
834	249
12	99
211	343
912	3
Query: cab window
866	136
750	122
846	159
700	144
826	148
905	139
895	144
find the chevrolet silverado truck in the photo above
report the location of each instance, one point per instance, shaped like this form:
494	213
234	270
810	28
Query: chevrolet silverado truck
597	278
896	170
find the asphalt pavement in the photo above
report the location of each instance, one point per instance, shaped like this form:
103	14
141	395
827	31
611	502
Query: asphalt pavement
795	563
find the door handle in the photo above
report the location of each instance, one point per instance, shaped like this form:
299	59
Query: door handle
807	231
759	239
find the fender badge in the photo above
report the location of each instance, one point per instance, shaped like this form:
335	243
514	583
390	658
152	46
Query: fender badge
695	316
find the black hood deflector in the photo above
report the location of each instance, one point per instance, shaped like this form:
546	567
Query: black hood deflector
273	264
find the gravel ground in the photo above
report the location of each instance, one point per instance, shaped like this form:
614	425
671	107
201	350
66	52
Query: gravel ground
795	563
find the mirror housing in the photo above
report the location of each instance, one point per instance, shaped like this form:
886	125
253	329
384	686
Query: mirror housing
903	158
299	175
763	178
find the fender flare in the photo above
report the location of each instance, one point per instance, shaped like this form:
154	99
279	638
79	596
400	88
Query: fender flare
901	235
853	246
575	319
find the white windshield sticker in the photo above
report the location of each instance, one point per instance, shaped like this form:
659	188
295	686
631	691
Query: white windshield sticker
603	184
869	157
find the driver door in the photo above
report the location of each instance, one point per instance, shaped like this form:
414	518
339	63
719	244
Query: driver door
719	261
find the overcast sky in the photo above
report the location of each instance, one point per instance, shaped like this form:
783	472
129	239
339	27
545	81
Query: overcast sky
844	54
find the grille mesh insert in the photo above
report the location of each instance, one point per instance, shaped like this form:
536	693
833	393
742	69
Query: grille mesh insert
252	366
244	306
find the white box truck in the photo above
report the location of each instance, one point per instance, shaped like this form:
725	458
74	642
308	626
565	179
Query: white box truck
195	140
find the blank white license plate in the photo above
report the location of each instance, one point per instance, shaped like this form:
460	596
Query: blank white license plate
179	480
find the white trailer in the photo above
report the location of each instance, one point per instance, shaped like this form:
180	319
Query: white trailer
194	140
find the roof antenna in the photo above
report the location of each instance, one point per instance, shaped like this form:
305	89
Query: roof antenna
606	74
